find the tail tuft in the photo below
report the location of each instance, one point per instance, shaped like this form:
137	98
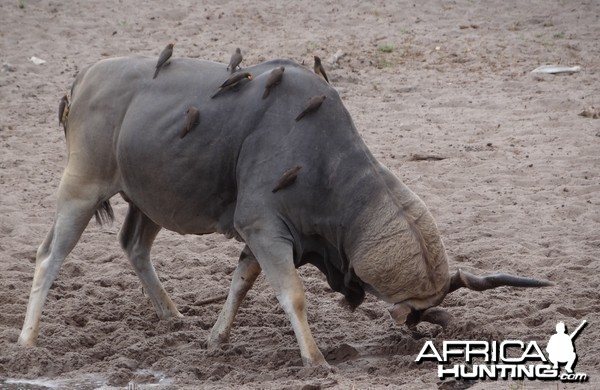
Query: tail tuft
104	214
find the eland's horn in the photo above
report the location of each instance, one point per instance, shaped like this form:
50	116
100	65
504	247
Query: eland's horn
480	283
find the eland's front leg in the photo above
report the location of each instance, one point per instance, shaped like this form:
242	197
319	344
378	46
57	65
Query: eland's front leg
243	278
275	256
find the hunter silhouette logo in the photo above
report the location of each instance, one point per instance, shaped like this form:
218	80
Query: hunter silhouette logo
560	346
508	359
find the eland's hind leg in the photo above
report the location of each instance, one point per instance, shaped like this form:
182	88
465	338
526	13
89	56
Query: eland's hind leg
136	237
76	204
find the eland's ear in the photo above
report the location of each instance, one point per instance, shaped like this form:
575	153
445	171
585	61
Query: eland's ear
436	315
433	315
399	312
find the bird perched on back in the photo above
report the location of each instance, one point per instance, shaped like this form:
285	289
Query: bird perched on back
163	58
287	179
313	105
231	82
192	117
319	69
63	112
273	80
235	61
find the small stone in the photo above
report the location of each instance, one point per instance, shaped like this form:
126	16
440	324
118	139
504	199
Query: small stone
6	67
37	61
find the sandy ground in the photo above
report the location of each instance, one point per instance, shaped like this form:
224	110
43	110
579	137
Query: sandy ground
518	190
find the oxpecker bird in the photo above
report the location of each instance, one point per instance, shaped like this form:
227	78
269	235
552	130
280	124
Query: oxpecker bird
313	105
287	179
232	81
63	112
273	80
192	117
163	58
235	61
319	68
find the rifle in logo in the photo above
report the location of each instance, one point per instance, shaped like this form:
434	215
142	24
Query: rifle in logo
575	333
